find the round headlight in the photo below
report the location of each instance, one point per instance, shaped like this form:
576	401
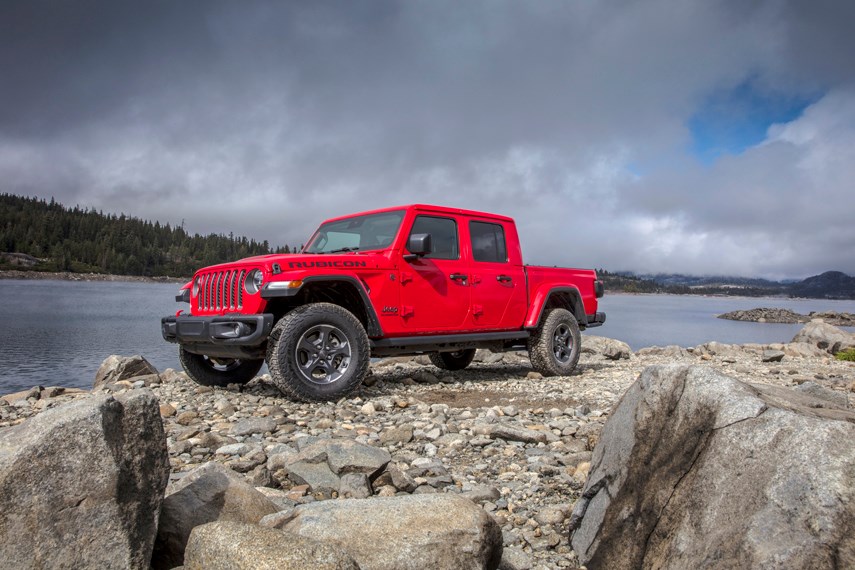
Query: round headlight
253	282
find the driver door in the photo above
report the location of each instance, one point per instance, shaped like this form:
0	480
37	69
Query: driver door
435	288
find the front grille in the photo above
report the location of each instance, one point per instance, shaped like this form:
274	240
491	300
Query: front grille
220	290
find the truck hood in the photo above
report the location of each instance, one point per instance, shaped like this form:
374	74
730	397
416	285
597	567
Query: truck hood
296	262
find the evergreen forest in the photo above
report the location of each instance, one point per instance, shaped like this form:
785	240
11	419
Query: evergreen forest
88	241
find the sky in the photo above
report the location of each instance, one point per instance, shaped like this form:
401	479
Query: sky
680	136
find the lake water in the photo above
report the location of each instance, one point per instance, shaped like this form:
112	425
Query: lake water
57	333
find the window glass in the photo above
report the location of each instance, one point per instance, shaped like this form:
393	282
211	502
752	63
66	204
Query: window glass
488	242
443	233
359	233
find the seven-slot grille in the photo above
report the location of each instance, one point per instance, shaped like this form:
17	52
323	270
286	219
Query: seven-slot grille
221	290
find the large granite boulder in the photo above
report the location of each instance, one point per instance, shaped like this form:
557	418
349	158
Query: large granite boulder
825	336
115	368
408	532
81	485
227	545
209	493
697	470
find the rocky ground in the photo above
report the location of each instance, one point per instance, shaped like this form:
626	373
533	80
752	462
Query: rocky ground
513	441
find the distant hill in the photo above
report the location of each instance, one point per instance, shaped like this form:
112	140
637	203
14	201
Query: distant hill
46	236
829	285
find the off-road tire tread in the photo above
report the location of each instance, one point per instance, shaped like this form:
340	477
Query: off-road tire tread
201	373
290	326
540	344
446	360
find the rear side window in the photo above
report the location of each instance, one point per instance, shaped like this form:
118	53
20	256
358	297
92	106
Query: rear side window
488	242
443	233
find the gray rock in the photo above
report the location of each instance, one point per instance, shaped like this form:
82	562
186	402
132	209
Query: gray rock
254	425
553	515
606	347
318	476
81	485
772	355
400	434
233	449
208	493
517	433
672	351
355	486
804	350
833	397
346	456
116	368
482	494
418	531
825	336
718	349
402	480
697	470
515	559
239	546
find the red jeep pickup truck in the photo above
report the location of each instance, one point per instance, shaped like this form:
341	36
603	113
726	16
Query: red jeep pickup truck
408	280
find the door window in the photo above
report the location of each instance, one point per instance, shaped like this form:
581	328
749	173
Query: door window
488	242
443	232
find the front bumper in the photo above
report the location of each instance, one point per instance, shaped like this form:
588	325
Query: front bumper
237	336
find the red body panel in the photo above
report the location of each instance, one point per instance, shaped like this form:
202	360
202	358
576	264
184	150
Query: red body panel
477	284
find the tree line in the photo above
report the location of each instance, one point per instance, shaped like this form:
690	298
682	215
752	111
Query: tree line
89	241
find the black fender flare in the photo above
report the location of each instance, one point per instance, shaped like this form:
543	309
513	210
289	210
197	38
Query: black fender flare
373	327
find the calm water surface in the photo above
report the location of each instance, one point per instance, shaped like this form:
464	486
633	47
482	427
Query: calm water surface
56	333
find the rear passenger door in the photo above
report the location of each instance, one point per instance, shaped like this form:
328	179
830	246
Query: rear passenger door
435	288
498	286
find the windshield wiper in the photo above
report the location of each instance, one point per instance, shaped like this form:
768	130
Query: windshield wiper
342	249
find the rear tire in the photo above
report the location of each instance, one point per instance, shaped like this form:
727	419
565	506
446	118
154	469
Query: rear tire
318	352
457	360
211	371
555	346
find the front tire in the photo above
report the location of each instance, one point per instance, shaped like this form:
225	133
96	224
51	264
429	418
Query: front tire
211	371
452	360
554	348
318	352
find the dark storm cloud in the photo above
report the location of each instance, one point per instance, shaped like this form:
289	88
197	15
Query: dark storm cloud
264	117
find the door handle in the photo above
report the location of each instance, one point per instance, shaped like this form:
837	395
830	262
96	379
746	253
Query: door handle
503	278
458	277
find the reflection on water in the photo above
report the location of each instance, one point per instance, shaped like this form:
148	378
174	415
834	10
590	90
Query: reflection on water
56	333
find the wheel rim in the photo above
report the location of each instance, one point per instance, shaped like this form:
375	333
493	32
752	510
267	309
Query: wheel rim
222	364
323	354
562	343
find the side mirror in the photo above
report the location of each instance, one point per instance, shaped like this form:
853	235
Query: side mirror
418	245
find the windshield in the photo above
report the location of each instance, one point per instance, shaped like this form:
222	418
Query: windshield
360	233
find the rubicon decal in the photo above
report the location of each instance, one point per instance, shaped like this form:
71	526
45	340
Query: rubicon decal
308	264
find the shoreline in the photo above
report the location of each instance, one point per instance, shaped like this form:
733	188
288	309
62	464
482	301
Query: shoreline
89	277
